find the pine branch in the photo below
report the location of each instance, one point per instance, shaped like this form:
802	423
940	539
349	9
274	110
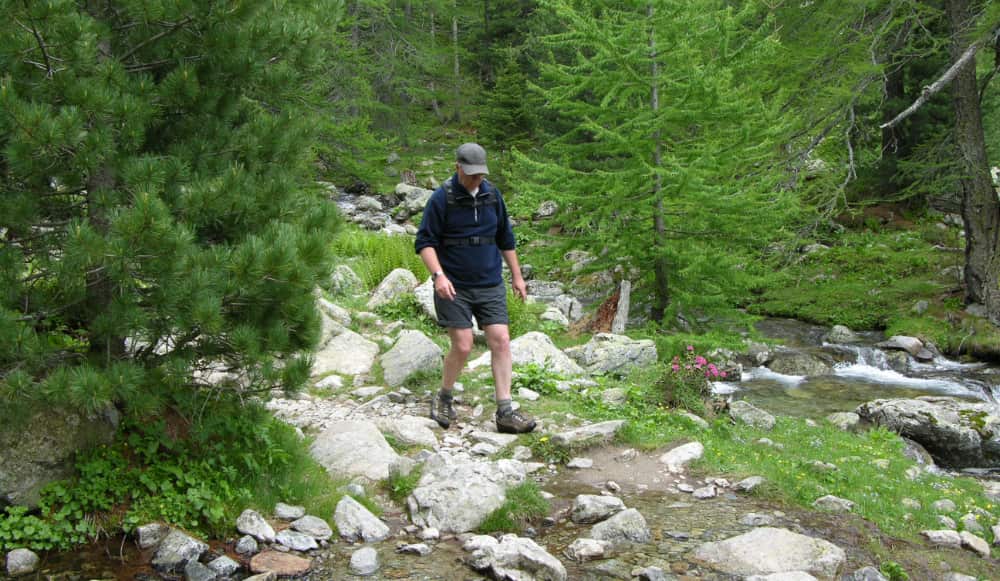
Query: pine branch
172	28
47	67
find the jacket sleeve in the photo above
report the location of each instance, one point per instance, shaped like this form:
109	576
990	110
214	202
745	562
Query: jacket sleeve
505	233
432	223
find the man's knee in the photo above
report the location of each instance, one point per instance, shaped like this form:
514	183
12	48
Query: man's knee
498	339
461	344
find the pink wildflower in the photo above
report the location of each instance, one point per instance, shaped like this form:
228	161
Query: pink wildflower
700	360
675	367
723	374
690	347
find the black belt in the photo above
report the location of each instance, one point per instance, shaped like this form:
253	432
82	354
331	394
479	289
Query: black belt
470	241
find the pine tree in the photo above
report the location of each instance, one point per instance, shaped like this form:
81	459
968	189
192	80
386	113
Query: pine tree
158	224
664	127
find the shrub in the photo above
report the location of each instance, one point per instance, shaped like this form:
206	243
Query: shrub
687	382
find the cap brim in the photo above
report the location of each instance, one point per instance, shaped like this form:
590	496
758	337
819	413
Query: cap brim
473	170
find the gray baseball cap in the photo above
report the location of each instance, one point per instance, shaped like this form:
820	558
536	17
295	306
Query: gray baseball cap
472	158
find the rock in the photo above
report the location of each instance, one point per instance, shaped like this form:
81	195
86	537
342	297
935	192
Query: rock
313	526
589	434
911	345
409	430
280	564
969	523
346	353
651	574
944	505
494	438
425	298
253	524
748	484
831	503
975	543
429	534
414	198
546	209
553	314
757	520
195	571
947	522
288	512
354	448
705	492
625	526
456	493
268	576
841	334
175	550
418	549
21	562
364	561
767	550
920	307
476	542
957	433
412	353
580	463
943	538
747	413
247	545
789	576
607	353
356	523
296	541
614	397
396	284
43	449
339	314
592	508
224	566
678	458
788	362
537	348
694	419
483	449
866	574
517	558
527	394
150	535
588	549
846	421
996	535
344	280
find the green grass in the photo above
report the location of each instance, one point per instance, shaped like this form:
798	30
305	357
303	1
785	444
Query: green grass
524	502
399	486
373	255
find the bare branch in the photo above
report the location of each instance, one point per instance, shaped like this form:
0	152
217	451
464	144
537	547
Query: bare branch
174	27
47	67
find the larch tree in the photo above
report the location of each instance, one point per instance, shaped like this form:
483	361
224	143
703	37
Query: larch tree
161	233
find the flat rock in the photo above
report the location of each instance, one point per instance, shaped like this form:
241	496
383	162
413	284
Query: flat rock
354	448
678	458
535	347
589	434
766	550
593	508
313	526
281	564
296	541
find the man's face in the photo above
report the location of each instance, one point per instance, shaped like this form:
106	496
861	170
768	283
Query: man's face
469	181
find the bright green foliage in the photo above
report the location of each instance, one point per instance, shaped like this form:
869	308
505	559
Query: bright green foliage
156	162
377	255
536	377
894	571
524	502
670	186
399	485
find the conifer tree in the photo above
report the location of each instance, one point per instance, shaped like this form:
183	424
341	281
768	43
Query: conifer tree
159	227
665	126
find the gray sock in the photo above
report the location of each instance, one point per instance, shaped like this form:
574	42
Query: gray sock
503	407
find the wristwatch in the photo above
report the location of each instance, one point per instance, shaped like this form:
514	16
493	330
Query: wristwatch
436	274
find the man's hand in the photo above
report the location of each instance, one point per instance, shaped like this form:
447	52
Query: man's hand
444	288
520	288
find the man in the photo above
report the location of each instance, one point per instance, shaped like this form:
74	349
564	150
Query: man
463	235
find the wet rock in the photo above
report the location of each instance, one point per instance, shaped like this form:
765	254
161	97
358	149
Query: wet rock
252	523
21	562
943	538
355	522
757	520
678	458
584	549
288	512
364	561
705	492
280	564
247	545
296	541
150	535
767	550
195	571
788	362
517	558
831	503
224	566
313	526
841	334
591	508
354	448
175	550
625	526
417	549
747	413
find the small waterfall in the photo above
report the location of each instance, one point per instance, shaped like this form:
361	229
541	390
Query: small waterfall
867	356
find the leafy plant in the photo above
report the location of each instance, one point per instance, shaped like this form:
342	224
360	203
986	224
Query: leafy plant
894	571
524	502
543	448
536	377
686	383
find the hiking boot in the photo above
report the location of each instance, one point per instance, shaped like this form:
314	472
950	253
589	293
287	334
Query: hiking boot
514	423
443	411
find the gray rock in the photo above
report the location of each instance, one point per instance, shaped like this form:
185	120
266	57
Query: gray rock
757	520
296	541
339	314
911	345
846	421
527	394
356	523
787	576
494	438
944	505
253	524
344	280
766	550
313	526
748	484
996	535
747	413
589	434
678	458
195	571
614	397
607	353
975	543
969	523
588	549
247	545
580	463
867	574
920	307
841	334
538	348
268	576
959	577
396	284
21	562
517	558
943	538
412	353
409	430
175	550
414	198
625	526
592	508
788	362
652	574
947	522
483	449
150	535
354	449
705	492
346	353
44	448
417	549
695	419
224	566
830	503
288	512
546	209
553	314
364	561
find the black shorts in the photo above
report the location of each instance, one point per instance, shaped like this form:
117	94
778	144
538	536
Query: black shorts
488	305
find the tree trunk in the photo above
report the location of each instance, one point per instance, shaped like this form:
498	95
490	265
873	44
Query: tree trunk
661	286
455	80
105	347
434	99
980	206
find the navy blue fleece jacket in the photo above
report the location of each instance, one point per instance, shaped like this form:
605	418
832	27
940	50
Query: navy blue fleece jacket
467	266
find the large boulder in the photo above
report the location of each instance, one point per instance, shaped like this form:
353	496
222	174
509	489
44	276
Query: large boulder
176	550
456	493
767	550
43	448
354	448
412	352
957	433
396	284
516	557
617	354
414	198
627	526
535	347
789	362
346	353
